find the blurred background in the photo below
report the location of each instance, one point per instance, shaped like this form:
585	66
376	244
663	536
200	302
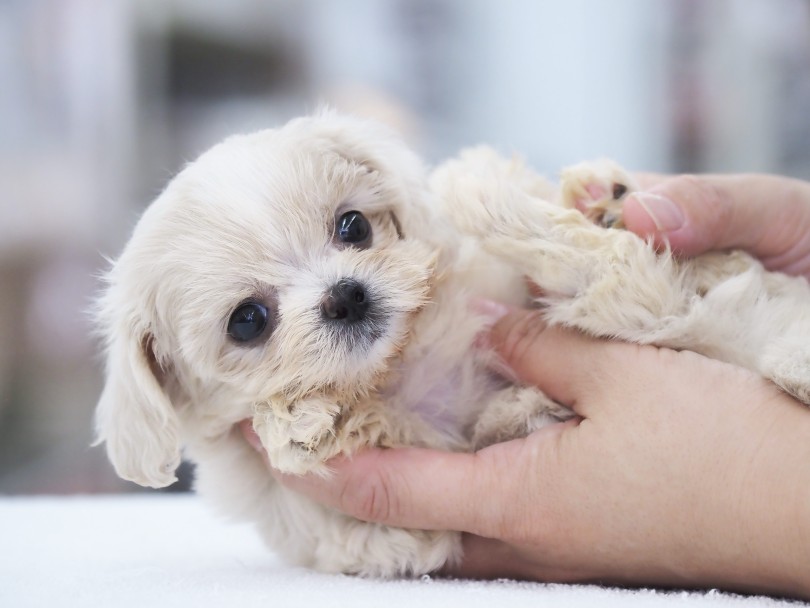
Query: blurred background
102	101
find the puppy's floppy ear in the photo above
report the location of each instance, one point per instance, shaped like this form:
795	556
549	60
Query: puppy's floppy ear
135	417
370	143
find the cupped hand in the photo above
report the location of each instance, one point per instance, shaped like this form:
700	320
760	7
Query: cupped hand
681	471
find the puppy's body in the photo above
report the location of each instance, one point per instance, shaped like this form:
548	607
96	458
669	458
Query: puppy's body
368	339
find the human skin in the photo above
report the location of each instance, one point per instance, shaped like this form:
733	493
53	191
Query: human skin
681	471
766	215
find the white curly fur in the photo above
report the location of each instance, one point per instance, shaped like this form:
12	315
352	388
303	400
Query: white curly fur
254	219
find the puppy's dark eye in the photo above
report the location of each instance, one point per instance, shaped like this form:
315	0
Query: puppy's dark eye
353	228
247	322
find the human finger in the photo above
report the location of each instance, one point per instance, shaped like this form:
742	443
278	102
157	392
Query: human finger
561	362
768	216
390	486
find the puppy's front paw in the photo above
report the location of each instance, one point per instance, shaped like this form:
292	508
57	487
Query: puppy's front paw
597	189
489	196
299	437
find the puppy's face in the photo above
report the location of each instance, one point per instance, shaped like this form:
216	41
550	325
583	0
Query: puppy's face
287	262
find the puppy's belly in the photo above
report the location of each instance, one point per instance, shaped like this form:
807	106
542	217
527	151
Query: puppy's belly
443	377
448	396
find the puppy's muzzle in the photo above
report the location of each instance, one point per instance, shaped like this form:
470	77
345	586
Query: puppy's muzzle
346	301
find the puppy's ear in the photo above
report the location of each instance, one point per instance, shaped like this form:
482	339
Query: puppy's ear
370	143
135	417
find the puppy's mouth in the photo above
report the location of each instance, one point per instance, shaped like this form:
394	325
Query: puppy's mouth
353	315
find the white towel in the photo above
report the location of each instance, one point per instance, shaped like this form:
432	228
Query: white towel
154	550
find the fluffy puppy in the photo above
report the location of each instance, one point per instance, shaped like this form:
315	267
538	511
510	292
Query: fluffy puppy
314	279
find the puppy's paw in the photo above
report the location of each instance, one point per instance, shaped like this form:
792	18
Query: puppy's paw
299	437
788	366
597	189
488	196
516	412
374	550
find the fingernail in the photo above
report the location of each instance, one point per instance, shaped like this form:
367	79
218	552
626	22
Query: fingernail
665	214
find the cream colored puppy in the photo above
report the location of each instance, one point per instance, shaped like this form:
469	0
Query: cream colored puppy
313	279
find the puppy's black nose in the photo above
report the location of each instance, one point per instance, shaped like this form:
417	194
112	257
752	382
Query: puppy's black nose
346	301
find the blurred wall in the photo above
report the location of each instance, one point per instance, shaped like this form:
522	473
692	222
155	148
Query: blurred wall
102	102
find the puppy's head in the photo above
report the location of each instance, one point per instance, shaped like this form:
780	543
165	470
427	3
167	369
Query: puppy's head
286	262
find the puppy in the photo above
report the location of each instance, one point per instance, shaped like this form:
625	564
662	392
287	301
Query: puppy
314	279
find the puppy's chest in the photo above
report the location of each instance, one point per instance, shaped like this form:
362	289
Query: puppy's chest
441	376
446	388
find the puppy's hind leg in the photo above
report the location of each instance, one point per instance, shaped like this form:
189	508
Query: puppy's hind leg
369	549
788	366
515	412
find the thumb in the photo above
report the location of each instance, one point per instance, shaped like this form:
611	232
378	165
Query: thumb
405	487
768	216
420	488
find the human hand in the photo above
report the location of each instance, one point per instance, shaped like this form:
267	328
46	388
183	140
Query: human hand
676	474
766	215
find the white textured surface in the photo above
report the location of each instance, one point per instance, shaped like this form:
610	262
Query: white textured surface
161	550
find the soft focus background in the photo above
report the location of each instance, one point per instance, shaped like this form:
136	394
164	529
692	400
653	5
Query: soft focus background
101	101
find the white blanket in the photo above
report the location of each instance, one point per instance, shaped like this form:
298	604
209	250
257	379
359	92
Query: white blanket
163	550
